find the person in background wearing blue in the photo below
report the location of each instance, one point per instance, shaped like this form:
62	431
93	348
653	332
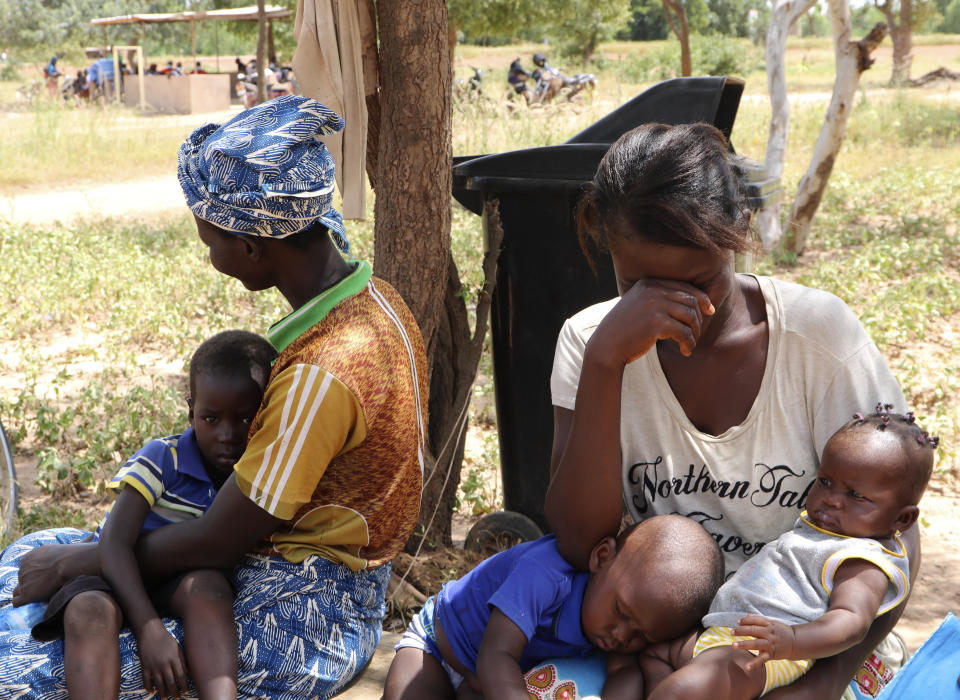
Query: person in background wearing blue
51	75
169	480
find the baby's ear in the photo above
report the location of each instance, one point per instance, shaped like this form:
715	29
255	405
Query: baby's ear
602	554
906	517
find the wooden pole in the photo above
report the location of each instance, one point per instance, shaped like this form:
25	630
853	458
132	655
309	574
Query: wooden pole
261	52
143	97
116	75
193	41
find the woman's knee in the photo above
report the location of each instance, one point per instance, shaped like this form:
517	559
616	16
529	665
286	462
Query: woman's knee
92	612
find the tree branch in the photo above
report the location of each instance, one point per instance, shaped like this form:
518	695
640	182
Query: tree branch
868	44
493	236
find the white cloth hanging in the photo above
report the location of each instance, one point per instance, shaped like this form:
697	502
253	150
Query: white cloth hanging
335	39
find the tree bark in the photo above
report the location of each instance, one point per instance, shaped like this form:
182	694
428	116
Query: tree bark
676	16
852	58
414	179
412	234
899	16
902	36
458	353
785	13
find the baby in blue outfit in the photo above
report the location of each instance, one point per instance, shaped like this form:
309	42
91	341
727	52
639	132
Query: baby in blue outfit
527	604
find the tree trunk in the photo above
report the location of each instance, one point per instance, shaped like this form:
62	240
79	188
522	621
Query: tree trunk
261	53
676	16
902	36
899	16
852	58
457	356
785	13
412	231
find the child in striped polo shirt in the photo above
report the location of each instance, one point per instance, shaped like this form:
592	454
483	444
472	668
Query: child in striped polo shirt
169	480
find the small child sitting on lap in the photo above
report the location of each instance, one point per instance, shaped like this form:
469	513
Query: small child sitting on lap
815	591
168	480
526	604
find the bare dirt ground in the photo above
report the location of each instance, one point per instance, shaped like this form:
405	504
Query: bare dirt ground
935	594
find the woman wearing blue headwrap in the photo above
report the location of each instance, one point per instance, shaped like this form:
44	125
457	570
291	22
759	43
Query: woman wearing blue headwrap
328	490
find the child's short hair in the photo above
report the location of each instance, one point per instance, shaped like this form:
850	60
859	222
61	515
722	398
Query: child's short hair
916	442
683	547
235	354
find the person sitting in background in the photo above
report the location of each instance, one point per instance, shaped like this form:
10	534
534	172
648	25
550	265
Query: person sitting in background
197	69
51	76
480	633
152	69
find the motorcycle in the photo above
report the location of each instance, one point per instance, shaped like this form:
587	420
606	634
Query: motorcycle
471	88
549	83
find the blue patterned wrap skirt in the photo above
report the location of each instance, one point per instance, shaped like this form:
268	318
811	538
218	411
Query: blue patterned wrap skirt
304	629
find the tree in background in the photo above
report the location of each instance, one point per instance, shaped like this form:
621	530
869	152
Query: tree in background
647	21
34	30
951	17
685	17
585	23
495	17
676	15
852	58
730	17
902	16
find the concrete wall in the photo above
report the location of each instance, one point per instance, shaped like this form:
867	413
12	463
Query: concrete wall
181	94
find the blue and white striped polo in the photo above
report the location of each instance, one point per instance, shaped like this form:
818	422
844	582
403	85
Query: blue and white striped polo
169	473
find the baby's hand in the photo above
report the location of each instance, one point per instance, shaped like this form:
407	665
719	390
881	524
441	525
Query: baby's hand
774	640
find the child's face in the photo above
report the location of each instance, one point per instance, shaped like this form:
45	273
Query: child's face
621	611
221	411
858	489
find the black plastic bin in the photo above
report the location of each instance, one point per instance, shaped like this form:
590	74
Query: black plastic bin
542	276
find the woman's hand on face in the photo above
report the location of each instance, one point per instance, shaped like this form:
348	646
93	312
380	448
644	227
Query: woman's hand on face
649	311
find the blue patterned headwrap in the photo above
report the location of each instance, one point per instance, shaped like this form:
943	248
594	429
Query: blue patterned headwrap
264	173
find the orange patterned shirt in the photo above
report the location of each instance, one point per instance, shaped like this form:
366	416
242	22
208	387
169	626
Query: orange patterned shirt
336	450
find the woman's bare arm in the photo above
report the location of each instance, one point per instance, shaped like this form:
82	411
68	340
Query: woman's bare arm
219	538
230	528
584	501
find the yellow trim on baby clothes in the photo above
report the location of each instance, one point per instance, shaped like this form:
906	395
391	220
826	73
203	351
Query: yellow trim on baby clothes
780	672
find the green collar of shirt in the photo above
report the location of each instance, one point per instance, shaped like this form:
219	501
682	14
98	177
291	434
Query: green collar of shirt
291	327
